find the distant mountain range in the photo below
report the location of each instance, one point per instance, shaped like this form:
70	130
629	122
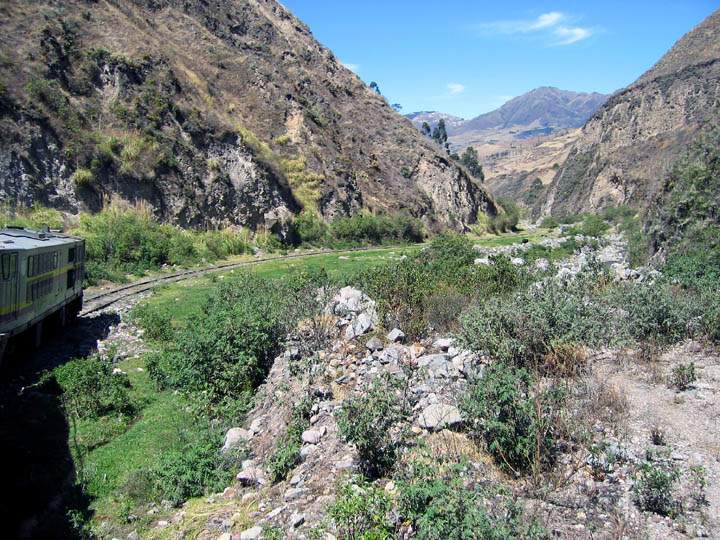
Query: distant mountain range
538	112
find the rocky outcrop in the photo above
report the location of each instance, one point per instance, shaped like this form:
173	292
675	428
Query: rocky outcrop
626	149
222	112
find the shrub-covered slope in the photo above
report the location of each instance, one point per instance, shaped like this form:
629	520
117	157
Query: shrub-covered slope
221	112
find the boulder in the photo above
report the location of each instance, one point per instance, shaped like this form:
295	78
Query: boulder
374	344
443	343
313	435
542	265
438	416
361	325
251	476
253	533
517	261
482	261
234	438
396	336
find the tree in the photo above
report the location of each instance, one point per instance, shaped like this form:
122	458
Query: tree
426	129
469	158
397	107
374	86
440	135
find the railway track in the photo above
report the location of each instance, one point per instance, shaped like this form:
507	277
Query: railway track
101	300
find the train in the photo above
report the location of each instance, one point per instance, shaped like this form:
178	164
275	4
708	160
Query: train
41	276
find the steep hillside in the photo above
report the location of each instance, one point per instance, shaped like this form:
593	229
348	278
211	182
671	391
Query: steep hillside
626	149
214	112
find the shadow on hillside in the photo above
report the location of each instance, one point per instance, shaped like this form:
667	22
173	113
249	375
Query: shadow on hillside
39	496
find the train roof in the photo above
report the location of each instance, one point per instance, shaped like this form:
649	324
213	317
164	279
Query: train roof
19	238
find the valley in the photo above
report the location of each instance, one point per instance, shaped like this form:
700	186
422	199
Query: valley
308	316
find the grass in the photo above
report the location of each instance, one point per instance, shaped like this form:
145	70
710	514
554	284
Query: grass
185	298
158	428
490	240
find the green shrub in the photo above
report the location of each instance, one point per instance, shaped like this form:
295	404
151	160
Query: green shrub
434	499
657	312
507	220
195	469
91	389
368	229
549	222
228	348
683	376
371	421
310	228
521	328
361	512
654	488
33	218
156	323
517	424
83	177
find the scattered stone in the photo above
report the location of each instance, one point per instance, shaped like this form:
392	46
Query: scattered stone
253	533
443	344
482	261
256	426
294	494
225	536
542	265
251	476
396	336
517	261
306	450
374	344
296	520
362	325
438	416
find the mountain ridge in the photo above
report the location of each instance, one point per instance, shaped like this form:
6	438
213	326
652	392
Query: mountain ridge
225	112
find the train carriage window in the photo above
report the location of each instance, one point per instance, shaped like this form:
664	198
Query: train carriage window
71	254
8	264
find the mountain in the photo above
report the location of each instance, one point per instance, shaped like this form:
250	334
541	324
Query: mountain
625	150
544	107
432	118
212	111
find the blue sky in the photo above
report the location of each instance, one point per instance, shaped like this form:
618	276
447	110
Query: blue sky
468	57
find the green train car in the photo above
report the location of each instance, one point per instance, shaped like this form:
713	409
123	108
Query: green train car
41	274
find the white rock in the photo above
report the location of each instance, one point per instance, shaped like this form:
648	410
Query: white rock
443	343
306	450
254	533
483	260
313	436
517	261
542	265
439	416
256	425
234	438
396	336
251	476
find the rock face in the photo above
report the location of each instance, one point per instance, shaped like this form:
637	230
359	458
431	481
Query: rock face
220	112
625	150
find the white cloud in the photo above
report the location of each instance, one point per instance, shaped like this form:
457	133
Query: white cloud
547	20
355	68
455	88
553	25
569	35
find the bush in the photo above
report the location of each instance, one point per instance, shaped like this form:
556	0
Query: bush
435	500
195	469
656	312
517	425
523	327
310	228
507	220
371	422
368	229
654	488
156	323
91	389
361	512
683	376
227	349
549	222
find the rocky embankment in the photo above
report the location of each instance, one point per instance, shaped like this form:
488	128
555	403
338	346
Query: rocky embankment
632	411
